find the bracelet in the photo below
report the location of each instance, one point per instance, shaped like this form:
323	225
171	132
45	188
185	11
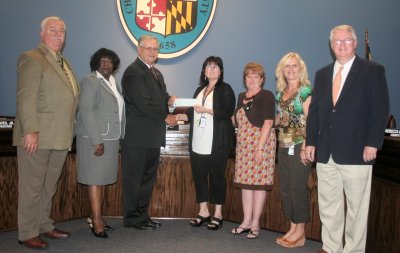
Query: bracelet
261	149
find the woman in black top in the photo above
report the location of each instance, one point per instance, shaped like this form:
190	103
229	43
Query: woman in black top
210	140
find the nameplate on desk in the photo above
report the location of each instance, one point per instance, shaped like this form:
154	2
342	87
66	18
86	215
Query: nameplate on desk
184	102
6	123
392	132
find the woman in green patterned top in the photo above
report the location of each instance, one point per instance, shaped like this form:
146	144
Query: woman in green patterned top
293	99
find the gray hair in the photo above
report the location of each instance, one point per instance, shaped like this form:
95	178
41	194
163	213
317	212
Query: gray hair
146	37
46	20
343	27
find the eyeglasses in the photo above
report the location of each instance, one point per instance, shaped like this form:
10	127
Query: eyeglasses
343	42
151	49
248	106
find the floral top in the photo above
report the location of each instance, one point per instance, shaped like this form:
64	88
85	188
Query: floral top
292	125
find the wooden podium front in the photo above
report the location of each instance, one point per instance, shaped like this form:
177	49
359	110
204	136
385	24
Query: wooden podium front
174	193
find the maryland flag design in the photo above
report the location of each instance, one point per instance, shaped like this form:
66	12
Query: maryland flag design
167	17
178	25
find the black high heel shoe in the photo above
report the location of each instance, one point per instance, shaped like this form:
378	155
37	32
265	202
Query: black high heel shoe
106	227
215	223
236	231
101	234
199	221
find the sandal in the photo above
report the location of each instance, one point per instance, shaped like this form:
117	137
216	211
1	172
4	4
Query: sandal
199	221
215	224
236	231
253	234
89	221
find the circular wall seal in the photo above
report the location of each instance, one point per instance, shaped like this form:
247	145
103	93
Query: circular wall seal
179	25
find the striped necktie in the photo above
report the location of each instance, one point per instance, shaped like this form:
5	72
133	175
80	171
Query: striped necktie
153	71
60	61
336	85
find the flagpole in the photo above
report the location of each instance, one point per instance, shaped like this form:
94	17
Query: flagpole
367	49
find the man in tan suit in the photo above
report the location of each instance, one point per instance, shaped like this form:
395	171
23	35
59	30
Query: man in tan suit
47	98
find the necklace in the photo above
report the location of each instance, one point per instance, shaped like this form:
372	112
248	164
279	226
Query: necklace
246	98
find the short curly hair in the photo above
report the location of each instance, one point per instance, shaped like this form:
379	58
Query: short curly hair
104	53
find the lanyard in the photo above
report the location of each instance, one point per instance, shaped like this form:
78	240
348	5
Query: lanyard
205	95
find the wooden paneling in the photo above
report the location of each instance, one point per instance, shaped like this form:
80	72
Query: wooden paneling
384	217
174	194
8	192
70	200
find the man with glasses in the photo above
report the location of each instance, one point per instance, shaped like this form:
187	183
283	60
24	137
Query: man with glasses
345	128
146	101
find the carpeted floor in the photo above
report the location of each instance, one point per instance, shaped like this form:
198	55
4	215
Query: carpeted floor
174	236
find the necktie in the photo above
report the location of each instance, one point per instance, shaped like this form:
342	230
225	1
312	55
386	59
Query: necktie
60	61
336	85
153	71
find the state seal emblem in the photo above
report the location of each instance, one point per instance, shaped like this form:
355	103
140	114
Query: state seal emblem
179	25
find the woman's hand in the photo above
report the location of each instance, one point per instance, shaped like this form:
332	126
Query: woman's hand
99	149
303	157
202	109
258	156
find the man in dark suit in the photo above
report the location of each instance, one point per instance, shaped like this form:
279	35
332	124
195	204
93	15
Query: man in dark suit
47	98
345	128
146	101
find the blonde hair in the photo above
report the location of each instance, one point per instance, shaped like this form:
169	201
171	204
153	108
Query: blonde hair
281	81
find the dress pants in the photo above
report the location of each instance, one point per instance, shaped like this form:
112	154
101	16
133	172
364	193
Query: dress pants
293	181
38	175
209	176
338	183
139	171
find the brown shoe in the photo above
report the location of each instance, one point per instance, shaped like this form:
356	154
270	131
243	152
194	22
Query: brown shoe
34	243
57	234
321	251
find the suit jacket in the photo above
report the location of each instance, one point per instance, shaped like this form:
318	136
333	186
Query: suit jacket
223	106
45	100
358	118
146	106
98	114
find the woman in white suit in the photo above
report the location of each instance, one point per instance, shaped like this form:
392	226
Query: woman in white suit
100	125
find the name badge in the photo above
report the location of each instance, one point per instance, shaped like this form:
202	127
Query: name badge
291	150
202	122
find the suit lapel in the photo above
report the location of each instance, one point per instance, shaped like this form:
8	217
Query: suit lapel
327	79
149	73
350	79
54	64
105	85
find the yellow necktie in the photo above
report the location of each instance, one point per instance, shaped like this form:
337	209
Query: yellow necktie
60	61
336	85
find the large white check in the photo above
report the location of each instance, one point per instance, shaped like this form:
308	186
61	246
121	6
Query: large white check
184	102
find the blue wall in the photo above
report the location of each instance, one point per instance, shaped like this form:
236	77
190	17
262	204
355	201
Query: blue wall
242	31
